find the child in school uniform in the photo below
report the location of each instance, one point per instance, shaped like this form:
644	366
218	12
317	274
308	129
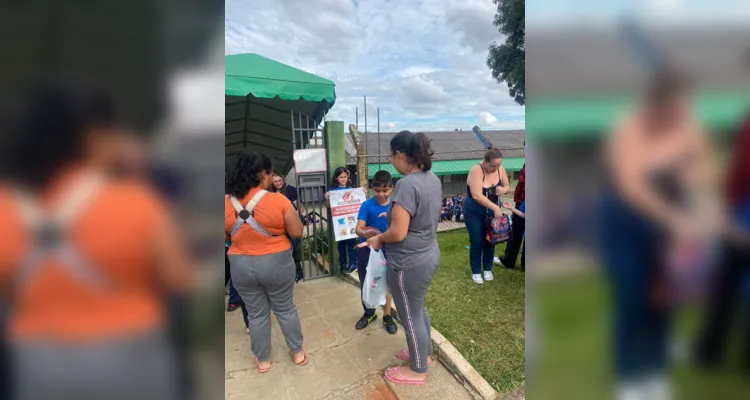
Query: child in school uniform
346	248
372	221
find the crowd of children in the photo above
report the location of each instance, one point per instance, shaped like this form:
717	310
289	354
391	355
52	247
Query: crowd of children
452	208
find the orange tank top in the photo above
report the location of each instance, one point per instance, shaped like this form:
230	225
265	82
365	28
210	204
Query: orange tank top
111	235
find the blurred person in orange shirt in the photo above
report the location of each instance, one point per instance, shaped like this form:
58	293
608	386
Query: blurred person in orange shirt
256	224
85	259
734	264
656	158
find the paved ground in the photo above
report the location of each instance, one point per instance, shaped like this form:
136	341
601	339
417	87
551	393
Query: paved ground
345	364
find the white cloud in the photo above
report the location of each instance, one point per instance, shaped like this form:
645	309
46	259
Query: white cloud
487	119
420	62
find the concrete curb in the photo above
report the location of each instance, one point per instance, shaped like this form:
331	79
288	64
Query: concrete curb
446	353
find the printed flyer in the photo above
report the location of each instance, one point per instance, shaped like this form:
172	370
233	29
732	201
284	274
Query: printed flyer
344	209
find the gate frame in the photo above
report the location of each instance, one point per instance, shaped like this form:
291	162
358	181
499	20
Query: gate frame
309	132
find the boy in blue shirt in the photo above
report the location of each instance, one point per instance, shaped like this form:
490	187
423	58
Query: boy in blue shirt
372	221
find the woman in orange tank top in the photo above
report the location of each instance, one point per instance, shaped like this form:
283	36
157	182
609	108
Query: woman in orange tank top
260	255
84	260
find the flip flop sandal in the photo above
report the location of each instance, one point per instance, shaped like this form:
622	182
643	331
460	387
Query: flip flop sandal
304	360
261	369
403	355
394	375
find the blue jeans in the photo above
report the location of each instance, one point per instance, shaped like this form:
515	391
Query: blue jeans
347	249
481	252
631	247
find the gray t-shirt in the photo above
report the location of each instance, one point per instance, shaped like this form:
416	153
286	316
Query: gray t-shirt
421	195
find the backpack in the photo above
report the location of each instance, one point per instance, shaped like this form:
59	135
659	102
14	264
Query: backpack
498	229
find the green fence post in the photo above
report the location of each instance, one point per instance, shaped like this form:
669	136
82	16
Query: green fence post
336	154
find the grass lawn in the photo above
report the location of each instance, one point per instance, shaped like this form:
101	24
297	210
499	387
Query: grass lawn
486	323
573	318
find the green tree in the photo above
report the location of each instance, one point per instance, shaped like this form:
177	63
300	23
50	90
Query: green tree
508	60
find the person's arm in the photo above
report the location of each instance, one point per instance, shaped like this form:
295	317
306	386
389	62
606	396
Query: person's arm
173	265
475	186
504	186
514	209
399	227
292	223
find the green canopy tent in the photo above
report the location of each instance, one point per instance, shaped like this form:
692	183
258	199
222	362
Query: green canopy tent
262	97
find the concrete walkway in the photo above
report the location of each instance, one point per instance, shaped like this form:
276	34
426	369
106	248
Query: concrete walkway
345	364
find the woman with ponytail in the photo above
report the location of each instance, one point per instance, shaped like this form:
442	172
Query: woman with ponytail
411	249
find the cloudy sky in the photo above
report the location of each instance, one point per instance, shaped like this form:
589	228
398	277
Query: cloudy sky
421	61
552	12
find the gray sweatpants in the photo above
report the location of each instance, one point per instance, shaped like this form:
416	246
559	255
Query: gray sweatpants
409	289
124	368
266	283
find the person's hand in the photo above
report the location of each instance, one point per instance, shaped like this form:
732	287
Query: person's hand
500	190
370	232
506	205
328	195
498	211
375	242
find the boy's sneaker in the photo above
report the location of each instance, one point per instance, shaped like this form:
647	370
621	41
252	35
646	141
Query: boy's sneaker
488	276
477	278
499	262
352	268
390	324
364	321
345	269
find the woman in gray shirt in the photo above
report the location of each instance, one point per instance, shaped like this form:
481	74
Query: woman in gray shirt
411	249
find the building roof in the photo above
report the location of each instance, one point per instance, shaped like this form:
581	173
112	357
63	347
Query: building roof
450	145
594	61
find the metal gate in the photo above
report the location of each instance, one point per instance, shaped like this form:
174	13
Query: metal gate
316	250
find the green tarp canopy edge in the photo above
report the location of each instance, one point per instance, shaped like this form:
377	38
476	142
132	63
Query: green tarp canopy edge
253	74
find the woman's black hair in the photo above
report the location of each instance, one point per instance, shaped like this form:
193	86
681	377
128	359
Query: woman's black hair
416	146
47	130
492	153
336	173
244	172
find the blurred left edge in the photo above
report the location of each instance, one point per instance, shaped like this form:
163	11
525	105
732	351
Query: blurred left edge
163	63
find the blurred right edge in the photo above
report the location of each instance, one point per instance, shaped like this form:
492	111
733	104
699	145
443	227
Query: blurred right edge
584	69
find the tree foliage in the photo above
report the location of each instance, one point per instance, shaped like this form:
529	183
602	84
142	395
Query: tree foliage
508	60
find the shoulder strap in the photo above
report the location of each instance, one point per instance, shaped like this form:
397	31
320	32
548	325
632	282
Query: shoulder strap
68	208
247	218
481	168
250	205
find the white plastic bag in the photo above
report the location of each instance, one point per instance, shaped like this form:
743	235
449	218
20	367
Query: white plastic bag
375	285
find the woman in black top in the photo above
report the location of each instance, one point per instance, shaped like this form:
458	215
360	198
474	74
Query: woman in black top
486	182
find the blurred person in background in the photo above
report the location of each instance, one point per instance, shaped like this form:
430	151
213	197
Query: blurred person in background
487	181
656	158
260	255
290	192
734	267
86	260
